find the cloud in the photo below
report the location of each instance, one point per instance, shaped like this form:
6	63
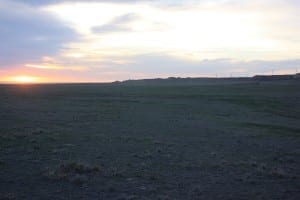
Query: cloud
123	40
27	34
46	2
118	24
159	65
56	67
162	65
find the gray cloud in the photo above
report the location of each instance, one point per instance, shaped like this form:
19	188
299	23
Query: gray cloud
27	34
232	3
156	65
119	24
46	2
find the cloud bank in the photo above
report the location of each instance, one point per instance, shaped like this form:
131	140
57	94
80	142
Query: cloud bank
118	24
122	39
46	2
27	34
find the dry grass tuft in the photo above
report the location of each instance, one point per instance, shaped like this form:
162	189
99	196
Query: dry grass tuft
74	172
75	167
79	179
278	173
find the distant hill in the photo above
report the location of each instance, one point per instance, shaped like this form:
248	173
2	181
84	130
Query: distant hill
276	77
207	80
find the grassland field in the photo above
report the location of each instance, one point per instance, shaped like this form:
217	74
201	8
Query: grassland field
108	141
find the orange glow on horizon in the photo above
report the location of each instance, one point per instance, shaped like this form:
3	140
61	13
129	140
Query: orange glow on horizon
37	79
23	79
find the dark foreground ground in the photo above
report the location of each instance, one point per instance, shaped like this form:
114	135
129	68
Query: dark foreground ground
150	142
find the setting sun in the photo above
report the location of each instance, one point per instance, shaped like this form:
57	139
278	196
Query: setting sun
24	79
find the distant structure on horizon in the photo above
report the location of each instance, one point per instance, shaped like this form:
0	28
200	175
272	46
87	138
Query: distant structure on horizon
208	80
276	77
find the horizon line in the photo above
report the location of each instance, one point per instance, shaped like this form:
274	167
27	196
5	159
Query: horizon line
120	81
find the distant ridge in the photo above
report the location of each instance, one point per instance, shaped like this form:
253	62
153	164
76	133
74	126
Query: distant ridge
208	80
277	77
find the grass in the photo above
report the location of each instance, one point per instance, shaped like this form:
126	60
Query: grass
187	142
8	196
74	172
273	129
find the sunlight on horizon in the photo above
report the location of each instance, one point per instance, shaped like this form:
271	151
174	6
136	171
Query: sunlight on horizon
23	79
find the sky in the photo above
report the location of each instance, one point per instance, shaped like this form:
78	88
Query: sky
109	40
